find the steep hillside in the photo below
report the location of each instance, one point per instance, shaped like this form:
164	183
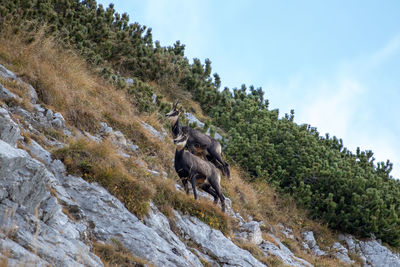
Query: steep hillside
88	106
70	116
348	191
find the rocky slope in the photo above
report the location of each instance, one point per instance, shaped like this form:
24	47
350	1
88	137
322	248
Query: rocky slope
49	217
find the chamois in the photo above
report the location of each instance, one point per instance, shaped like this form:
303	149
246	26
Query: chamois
198	142
196	170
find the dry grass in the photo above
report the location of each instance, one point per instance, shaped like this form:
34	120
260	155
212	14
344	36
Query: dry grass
63	81
101	163
4	262
254	250
244	197
154	120
274	261
115	254
18	89
205	210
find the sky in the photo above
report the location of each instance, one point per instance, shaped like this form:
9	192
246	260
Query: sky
336	63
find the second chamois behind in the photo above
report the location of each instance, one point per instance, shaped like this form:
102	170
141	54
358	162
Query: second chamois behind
198	143
193	169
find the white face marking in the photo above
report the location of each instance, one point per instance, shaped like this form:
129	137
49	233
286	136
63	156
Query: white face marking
170	113
173	118
180	141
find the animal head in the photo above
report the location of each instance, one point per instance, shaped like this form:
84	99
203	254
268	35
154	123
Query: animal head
175	112
182	138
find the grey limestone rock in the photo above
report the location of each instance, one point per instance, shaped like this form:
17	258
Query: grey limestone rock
153	131
282	252
17	255
288	232
105	129
56	119
213	243
5	94
92	137
159	223
33	217
9	130
342	253
162	174
250	232
310	243
192	119
32	93
51	245
49	114
133	147
129	81
7	74
372	252
118	139
23	177
39	152
108	218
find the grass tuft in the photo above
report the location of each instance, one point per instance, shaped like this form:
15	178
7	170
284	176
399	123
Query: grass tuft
166	194
115	254
100	163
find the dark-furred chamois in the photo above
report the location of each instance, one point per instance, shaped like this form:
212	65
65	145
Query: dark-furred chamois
193	169
198	142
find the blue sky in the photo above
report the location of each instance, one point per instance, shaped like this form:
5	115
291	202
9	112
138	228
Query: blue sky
336	63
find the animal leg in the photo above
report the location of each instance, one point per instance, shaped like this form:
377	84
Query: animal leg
219	162
224	168
193	181
227	170
217	189
211	191
186	185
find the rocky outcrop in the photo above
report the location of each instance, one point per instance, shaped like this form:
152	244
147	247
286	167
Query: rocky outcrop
117	138
250	232
108	218
153	131
16	255
341	253
371	252
9	75
32	217
283	253
9	130
192	119
213	243
310	243
5	94
23	179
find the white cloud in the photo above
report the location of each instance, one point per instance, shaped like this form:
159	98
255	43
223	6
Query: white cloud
332	106
387	51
